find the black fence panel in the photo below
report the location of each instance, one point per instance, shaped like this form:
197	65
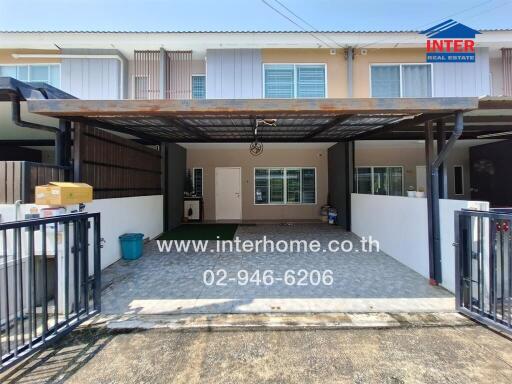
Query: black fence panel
484	266
50	280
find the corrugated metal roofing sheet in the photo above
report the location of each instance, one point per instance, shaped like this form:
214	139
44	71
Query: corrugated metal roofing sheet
265	32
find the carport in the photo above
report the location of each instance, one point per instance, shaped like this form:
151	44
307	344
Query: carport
340	121
373	282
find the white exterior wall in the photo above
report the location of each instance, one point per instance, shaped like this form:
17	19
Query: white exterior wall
93	79
141	214
463	79
400	225
233	74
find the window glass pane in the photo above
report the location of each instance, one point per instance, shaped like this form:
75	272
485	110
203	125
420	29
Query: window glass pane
55	75
277	186
416	81
310	81
380	181
279	81
22	72
308	185
364	180
198	181
199	87
293	186
395	181
261	186
8	71
385	80
458	184
39	73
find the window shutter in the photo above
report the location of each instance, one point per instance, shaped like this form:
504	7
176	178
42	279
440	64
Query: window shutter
279	81
310	81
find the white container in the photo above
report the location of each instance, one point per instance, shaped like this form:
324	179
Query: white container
420	194
411	193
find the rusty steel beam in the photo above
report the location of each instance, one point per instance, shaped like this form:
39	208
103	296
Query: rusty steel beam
267	107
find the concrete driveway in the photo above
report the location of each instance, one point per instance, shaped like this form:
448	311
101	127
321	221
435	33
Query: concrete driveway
172	282
468	354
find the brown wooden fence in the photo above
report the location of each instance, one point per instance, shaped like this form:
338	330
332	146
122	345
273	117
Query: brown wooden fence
115	166
18	179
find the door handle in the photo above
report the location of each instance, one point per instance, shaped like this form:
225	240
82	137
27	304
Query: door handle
237	194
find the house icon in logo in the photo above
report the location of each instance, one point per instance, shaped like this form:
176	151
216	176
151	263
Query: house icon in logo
450	29
450	41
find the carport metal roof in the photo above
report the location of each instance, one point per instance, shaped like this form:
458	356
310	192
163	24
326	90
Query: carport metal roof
226	120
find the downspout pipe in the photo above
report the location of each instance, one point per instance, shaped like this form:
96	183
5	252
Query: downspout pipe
457	132
350	66
16	118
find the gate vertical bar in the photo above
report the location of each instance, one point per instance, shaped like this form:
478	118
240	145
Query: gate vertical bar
97	263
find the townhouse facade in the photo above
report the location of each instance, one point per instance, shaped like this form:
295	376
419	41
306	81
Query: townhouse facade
109	66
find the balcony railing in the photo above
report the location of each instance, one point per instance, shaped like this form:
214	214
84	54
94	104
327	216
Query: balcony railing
18	179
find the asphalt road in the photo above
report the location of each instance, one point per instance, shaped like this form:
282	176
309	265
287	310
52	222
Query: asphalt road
469	354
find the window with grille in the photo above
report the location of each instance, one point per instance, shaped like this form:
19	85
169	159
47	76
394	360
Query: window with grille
285	186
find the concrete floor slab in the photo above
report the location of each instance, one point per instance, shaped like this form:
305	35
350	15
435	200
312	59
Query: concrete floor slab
172	282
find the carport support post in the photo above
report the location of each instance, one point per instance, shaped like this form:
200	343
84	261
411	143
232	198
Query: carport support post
434	225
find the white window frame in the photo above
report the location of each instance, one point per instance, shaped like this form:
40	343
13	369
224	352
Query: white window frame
372	172
36	64
462	176
401	84
285	187
295	79
191	83
194	180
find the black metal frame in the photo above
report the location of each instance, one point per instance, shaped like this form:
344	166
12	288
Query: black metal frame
483	267
24	330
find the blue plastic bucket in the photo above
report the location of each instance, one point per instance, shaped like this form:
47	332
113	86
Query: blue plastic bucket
131	245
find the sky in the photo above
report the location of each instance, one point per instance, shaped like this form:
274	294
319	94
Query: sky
248	15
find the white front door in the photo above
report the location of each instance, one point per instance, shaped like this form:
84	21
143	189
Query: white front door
228	193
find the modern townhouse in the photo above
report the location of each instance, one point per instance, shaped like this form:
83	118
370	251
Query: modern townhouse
272	127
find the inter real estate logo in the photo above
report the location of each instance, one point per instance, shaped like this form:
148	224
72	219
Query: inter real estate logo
450	42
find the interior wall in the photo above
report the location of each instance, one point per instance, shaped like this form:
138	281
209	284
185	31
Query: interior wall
175	164
210	156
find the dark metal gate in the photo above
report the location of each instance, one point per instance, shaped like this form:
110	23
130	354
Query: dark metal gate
50	280
483	266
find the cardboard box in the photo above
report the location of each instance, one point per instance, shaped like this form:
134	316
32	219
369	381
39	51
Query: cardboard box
63	193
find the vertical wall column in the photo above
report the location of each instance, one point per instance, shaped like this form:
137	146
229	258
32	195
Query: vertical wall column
175	169
340	160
